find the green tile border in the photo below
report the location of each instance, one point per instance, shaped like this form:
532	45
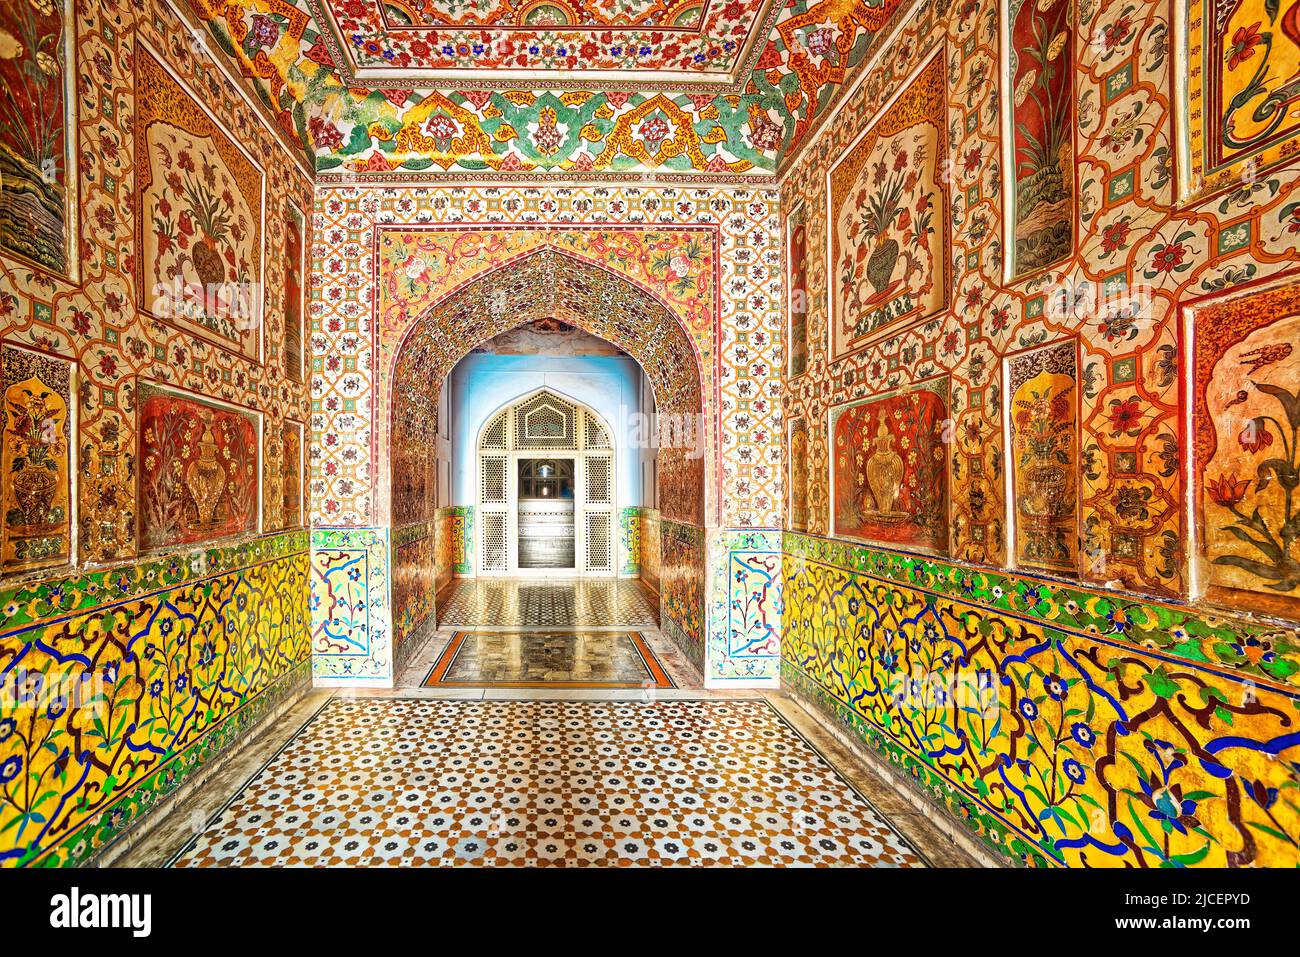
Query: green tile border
1262	650
33	601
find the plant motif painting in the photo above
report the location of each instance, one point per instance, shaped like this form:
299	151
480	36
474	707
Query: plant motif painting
1043	385
798	475
198	468
198	218
1042	119
1246	382
887	213
1243	94
797	251
291	449
294	231
36	461
889	470
35	54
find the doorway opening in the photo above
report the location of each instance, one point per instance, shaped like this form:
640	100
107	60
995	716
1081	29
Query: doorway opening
546	538
546	490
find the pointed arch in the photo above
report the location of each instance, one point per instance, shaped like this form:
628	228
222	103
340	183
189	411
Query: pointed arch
547	283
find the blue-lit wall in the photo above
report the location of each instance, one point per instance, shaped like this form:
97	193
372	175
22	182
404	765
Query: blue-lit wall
481	384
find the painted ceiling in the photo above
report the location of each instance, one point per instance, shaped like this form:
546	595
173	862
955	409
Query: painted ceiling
413	89
652	43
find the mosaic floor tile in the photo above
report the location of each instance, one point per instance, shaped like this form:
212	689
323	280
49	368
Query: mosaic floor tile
548	659
579	603
413	782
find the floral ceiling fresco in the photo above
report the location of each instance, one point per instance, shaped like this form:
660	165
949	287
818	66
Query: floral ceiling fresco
652	43
382	91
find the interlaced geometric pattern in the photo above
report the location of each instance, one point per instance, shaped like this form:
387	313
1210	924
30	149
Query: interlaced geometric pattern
589	603
599	557
404	782
546	422
598	484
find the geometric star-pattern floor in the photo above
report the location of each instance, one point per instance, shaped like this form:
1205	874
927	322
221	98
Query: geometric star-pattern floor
547	659
582	603
405	781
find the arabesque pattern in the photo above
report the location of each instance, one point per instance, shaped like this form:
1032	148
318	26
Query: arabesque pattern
1065	726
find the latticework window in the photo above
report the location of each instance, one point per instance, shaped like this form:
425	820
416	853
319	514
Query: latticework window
546	422
599	486
494	436
599	542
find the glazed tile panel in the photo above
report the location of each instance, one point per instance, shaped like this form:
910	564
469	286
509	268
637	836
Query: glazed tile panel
1066	726
745	608
120	683
351	638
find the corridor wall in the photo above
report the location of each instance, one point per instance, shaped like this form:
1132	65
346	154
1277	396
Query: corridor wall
153	551
1042	417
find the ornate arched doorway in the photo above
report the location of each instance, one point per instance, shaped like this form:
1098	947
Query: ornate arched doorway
547	490
549	283
543	285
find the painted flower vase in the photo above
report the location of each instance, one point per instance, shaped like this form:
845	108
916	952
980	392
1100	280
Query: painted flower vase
880	265
34	490
207	262
206	477
884	471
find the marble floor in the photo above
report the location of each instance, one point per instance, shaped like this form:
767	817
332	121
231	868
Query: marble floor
423	782
532	603
547	659
554	742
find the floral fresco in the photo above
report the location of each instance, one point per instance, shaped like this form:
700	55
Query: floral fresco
199	217
37	459
1244	58
93	614
198	469
1130	362
888	204
890	474
294	269
740	92
681	587
36	71
1247	421
291	474
1041	87
796	226
798	452
1043	385
639	38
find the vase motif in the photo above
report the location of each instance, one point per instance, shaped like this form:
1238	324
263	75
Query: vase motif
884	471
881	263
206	478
